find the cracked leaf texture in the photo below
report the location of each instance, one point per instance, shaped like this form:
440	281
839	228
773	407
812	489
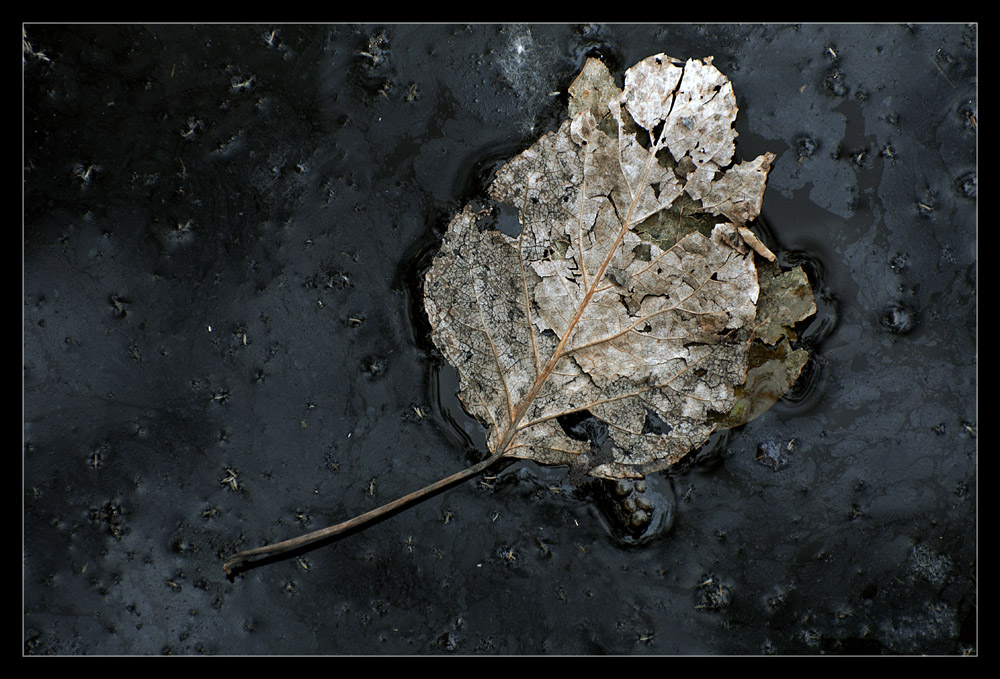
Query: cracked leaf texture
584	312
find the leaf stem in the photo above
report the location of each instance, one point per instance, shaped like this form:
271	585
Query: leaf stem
241	559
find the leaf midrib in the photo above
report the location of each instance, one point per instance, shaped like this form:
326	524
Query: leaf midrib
543	375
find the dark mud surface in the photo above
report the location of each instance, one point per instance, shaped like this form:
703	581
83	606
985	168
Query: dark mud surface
224	232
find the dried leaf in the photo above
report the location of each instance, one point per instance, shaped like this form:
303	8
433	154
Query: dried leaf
631	293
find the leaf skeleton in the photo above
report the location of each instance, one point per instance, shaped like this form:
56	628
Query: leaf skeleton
636	301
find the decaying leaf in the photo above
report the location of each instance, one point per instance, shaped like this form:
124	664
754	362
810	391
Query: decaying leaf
632	291
635	293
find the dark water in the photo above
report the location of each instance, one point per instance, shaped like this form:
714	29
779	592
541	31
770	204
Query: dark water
224	231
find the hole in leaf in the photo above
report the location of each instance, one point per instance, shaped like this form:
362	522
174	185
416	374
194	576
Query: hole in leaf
642	252
503	218
655	425
583	426
657	131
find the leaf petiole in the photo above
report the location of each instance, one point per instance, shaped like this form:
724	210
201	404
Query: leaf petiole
242	559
